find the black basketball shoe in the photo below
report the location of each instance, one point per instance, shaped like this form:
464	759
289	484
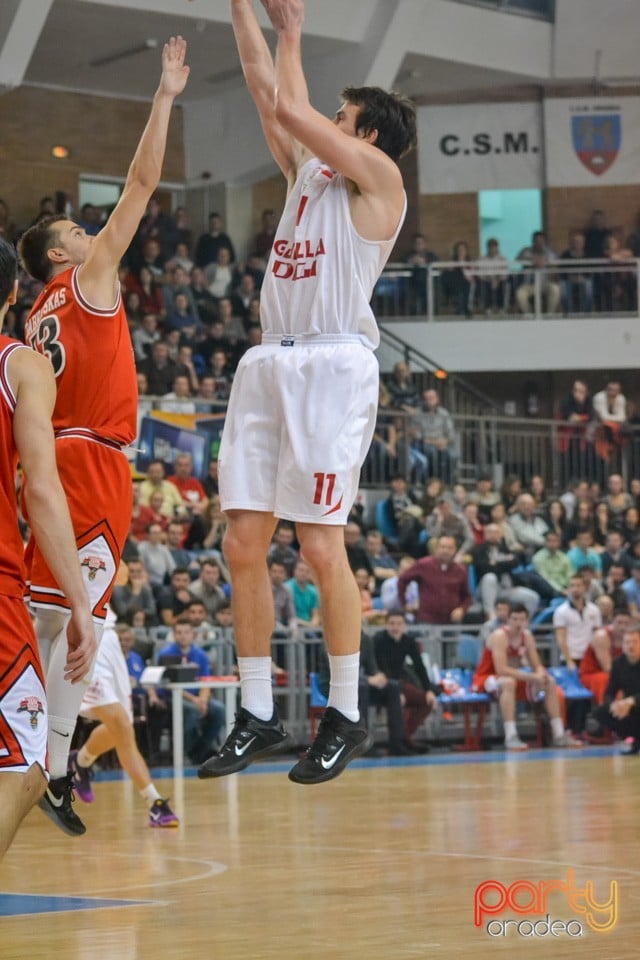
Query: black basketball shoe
251	739
56	804
337	742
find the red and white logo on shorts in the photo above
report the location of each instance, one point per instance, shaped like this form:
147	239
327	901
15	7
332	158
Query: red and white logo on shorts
325	489
94	564
33	706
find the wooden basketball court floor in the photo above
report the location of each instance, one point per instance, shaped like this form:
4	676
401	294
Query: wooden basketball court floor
383	863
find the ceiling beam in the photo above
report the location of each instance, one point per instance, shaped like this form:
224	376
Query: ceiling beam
20	40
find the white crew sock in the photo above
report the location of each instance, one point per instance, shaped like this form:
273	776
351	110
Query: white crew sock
255	686
343	686
510	729
150	794
557	728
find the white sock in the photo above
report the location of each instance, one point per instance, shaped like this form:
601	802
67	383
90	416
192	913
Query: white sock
510	729
255	686
343	687
58	744
84	758
557	728
150	794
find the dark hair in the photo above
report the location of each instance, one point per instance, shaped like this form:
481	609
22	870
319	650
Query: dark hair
8	270
395	613
181	571
518	608
391	114
34	245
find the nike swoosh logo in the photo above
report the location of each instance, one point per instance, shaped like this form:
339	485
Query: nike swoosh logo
60	734
327	764
239	751
53	800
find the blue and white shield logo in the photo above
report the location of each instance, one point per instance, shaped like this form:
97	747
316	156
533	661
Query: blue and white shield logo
597	140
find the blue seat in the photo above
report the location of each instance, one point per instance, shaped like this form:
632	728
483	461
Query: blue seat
316	696
546	615
569	682
385	522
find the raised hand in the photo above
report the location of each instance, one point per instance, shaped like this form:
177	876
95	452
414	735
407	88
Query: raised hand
174	72
82	645
284	14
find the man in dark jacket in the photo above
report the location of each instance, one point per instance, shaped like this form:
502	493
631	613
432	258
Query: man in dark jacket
620	710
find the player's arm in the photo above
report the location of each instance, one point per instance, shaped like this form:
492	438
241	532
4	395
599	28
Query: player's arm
561	638
532	654
97	275
372	170
602	649
498	645
33	383
260	75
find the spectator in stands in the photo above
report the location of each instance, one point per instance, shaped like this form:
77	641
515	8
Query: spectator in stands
159	369
203	299
180	283
383	564
443	521
485	496
220	274
207	529
175	597
144	336
610	407
204	632
583	519
155	482
282	548
606	645
574	622
135	594
509	650
631	525
356	553
553	565
175	533
215	339
434	435
402	389
392	647
263	241
582	554
419	259
243	293
210	482
152	260
209	244
577	285
499	517
613	585
159	226
592	585
442	584
365	584
575	438
617	499
306	599
156	556
555	517
493	564
189	487
493	274
181	258
595	236
470	514
233	324
389	591
538	491
184	319
141	516
282	597
614	553
578	489
458	285
510	491
528	528
540	256
220	371
632	589
209	585
180	398
620	710
203	716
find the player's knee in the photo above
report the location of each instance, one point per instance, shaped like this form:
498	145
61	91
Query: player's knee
242	549
324	555
507	685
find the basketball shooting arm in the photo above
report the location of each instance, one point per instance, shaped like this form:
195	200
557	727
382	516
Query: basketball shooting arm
98	274
379	195
33	383
260	76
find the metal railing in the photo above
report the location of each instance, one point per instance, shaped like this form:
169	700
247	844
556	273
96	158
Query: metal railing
541	9
449	289
556	450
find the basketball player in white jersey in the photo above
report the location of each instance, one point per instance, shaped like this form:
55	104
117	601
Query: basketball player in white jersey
303	404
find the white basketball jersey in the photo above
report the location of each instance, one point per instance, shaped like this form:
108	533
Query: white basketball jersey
321	273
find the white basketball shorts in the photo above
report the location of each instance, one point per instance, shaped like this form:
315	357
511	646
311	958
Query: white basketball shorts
110	682
300	420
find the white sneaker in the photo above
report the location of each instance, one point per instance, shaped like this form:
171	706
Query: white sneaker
515	743
566	740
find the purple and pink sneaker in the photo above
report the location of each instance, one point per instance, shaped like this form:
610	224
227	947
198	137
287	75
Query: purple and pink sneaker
80	778
161	815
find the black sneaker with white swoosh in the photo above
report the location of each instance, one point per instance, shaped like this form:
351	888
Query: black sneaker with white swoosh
251	739
56	804
337	742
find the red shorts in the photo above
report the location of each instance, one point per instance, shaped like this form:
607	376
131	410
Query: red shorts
23	705
97	481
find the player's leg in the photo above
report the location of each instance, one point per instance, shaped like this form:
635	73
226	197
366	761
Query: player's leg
506	687
559	736
116	732
342	735
18	794
257	731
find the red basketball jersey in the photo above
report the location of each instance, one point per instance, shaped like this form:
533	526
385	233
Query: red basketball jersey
12	567
92	358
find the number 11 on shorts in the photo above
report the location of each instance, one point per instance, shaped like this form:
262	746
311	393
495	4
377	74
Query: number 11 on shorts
324	480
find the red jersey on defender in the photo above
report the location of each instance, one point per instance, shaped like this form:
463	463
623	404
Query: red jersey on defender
12	567
92	358
516	657
590	663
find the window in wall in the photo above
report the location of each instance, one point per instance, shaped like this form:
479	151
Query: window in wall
100	193
511	216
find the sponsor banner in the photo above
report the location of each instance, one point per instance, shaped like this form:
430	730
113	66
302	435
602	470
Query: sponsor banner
485	146
591	142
